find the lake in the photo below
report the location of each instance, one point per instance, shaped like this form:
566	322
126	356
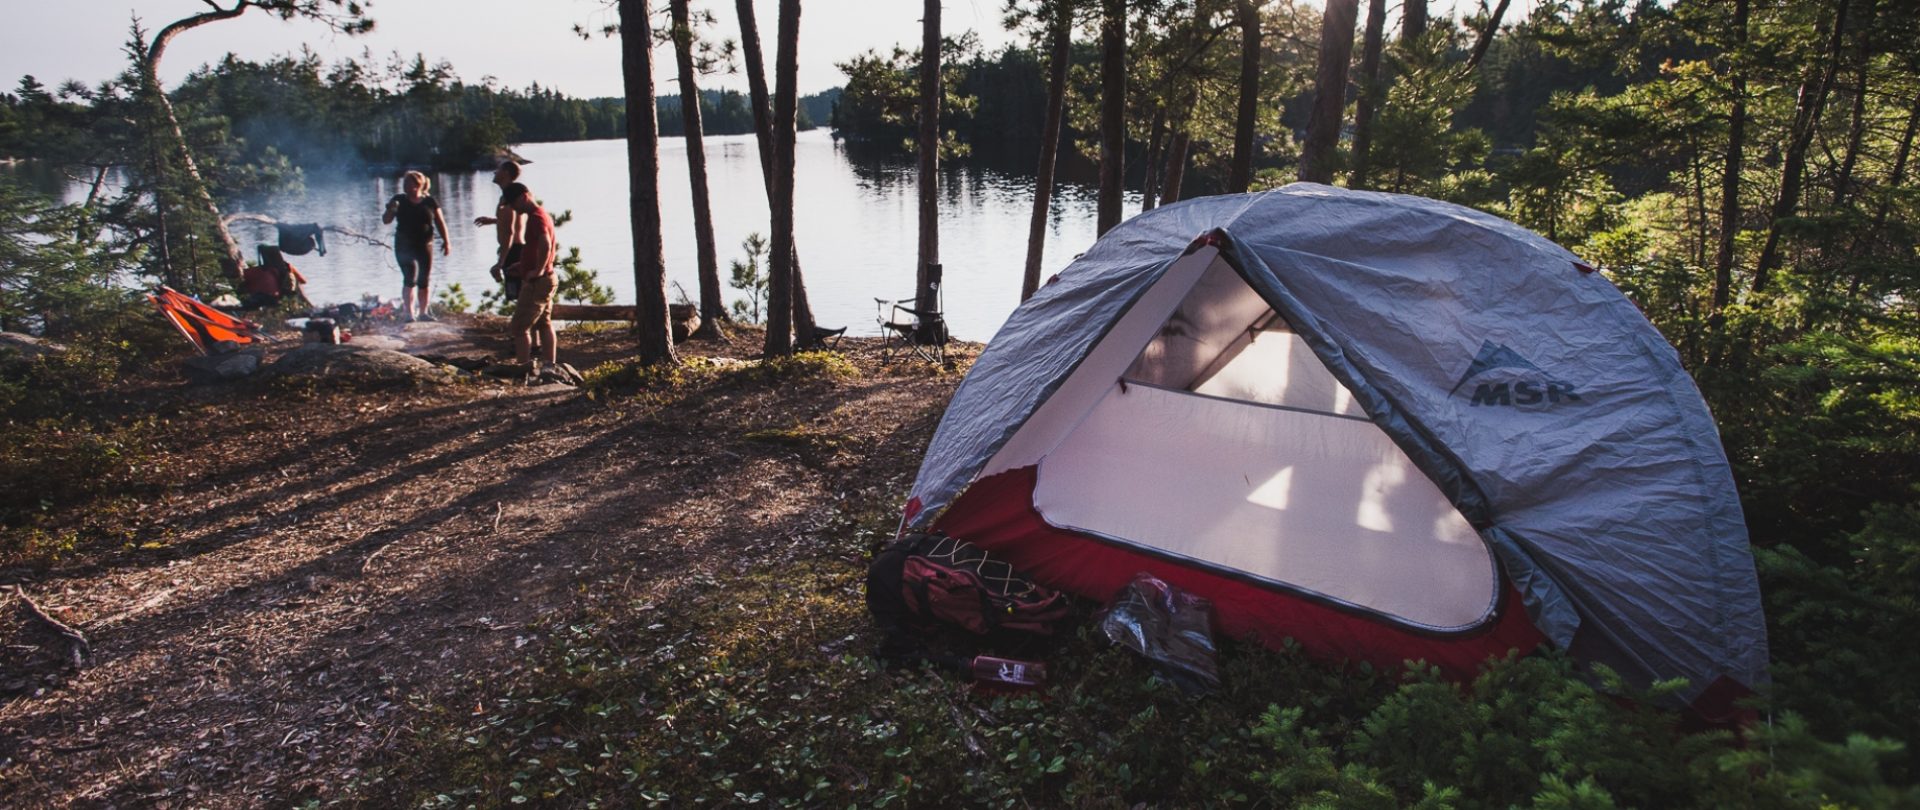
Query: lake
855	226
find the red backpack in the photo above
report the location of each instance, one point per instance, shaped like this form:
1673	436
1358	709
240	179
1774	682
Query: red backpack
925	580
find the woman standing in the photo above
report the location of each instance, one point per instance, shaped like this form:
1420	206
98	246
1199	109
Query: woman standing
419	216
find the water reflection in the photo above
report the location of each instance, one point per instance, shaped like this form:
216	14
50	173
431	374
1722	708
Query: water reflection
856	226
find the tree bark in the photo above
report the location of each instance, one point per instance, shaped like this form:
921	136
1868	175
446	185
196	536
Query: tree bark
1856	131
1730	177
1372	43
1060	53
713	304
786	71
1156	144
925	296
1811	103
1240	176
1485	41
650	322
1176	165
1413	20
1330	92
804	325
1113	114
150	74
1898	175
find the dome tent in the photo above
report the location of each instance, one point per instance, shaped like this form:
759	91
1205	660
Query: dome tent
1386	427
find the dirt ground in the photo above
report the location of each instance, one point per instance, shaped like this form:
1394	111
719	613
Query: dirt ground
331	561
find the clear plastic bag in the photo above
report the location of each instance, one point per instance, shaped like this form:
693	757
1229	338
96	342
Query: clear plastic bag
1171	628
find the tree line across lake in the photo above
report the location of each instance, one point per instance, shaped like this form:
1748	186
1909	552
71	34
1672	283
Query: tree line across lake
298	111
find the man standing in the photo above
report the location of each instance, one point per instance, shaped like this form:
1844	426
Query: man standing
509	228
533	308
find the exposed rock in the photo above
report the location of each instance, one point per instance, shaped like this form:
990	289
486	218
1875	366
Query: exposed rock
562	373
380	342
363	363
221	367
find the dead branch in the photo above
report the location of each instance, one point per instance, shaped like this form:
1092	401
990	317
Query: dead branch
77	647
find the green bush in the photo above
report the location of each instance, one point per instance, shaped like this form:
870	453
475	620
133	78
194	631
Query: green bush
53	470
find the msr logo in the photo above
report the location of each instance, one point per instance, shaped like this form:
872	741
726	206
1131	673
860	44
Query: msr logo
1501	377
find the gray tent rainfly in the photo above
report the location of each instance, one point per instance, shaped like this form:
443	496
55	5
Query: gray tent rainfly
1387	427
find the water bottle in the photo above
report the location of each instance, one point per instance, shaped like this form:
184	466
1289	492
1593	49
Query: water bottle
1009	673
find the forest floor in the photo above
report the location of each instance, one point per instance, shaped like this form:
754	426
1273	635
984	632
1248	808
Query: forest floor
314	565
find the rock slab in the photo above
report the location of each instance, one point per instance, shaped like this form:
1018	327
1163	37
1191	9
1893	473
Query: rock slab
361	362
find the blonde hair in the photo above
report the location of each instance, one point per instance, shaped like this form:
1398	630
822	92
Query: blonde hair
425	184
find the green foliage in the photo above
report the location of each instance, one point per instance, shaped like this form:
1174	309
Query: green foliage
1417	146
880	104
452	298
748	278
716	693
51	468
579	284
61	275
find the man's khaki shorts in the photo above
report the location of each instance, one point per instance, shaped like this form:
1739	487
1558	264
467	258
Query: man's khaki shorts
535	305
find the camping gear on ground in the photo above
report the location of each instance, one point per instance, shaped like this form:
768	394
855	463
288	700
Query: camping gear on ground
340	313
1167	626
1007	674
208	329
321	330
929	580
1386	427
299	240
264	284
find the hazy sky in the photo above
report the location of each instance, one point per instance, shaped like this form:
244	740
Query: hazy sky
517	42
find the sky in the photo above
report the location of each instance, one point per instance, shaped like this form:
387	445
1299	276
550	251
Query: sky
518	42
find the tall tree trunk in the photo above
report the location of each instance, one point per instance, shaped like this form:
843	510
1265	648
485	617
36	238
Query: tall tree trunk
1176	165
1485	41
786	72
1895	178
1240	175
1330	91
1156	144
1060	53
235	258
1371	88
1113	114
1413	20
804	326
1857	130
713	304
1701	225
1730	176
650	320
925	296
1812	101
1899	174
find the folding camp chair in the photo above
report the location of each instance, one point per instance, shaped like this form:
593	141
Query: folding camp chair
203	326
827	339
906	331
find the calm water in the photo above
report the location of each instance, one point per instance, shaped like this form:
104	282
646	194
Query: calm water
855	226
